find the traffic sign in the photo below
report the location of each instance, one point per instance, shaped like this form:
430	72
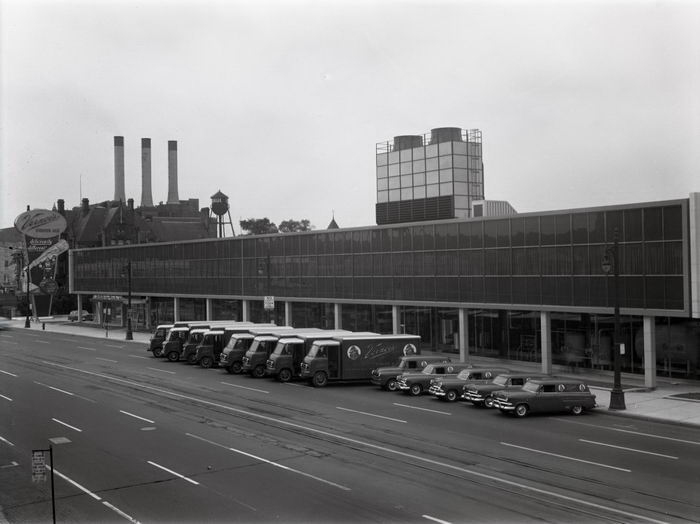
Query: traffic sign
269	303
38	465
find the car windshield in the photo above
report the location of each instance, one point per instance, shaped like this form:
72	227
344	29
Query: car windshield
532	387
500	380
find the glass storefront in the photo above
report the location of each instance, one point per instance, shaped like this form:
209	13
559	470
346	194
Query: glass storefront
222	309
371	318
162	311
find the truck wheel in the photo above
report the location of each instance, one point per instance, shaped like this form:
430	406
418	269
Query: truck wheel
191	358
391	385
577	410
284	375
157	352
206	362
521	410
416	389
258	371
173	356
451	395
319	379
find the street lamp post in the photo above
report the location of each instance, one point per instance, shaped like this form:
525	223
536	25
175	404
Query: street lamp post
20	259
611	263
127	270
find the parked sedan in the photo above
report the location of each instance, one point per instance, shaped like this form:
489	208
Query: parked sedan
545	396
450	388
418	383
385	377
84	315
482	394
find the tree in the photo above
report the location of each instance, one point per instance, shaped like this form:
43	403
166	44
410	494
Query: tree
258	226
292	226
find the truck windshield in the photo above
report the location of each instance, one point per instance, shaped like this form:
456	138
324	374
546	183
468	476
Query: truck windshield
261	346
174	335
195	338
281	349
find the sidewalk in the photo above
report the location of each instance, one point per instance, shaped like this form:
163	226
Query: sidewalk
672	401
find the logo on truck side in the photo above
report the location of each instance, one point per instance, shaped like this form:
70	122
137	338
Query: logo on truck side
409	349
354	352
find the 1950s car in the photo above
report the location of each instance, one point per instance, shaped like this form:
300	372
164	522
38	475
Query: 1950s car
385	377
481	394
418	383
450	388
545	396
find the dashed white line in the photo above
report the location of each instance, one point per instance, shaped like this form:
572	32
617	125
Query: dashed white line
244	387
6	441
89	349
111	346
105	359
138	356
136	416
629	449
174	473
271	463
9	342
162	371
567	458
120	512
68	425
43	341
651	435
12	464
8	373
6	398
422	409
371	414
56	389
435	520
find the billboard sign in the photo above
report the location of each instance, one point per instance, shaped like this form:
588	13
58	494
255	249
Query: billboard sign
40	223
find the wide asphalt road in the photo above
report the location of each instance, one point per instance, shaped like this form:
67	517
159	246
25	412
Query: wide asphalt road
141	439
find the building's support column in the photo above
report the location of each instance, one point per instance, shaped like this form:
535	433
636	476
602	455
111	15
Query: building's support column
80	307
176	309
246	310
210	308
338	316
395	321
546	341
287	313
649	352
463	334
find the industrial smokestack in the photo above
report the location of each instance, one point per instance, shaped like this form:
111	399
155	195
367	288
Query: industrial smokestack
119	193
146	197
172	172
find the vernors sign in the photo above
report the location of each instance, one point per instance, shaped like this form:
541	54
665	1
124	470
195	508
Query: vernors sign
40	223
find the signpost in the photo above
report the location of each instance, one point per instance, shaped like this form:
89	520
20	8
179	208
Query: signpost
269	303
39	472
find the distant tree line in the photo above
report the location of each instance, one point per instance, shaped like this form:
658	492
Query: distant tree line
262	226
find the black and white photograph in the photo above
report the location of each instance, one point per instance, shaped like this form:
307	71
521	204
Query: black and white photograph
349	261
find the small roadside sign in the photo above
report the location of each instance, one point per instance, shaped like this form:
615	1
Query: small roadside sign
38	465
269	303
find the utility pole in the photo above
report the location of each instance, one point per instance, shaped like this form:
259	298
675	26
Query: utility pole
129	332
611	261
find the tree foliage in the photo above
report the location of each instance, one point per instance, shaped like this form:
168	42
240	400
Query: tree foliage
292	226
258	226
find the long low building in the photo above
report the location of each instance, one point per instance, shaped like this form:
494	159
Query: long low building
529	286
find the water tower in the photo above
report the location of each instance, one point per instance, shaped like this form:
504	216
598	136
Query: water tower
220	207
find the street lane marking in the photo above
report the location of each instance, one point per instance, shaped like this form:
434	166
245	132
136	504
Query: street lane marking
93	495
137	356
371	414
422	409
567	458
162	370
8	373
174	473
105	359
111	346
43	341
136	416
68	425
271	463
89	349
12	464
435	520
55	389
9	342
576	500
629	449
6	336
6	398
244	387
651	435
6	441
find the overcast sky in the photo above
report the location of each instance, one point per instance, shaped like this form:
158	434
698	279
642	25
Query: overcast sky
280	104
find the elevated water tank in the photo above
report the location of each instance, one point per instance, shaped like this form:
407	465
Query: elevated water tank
219	203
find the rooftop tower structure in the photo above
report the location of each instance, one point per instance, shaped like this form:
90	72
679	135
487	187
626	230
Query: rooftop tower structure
437	175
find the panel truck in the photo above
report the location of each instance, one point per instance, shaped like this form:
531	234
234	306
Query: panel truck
256	357
179	335
155	345
214	341
353	357
231	358
285	361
